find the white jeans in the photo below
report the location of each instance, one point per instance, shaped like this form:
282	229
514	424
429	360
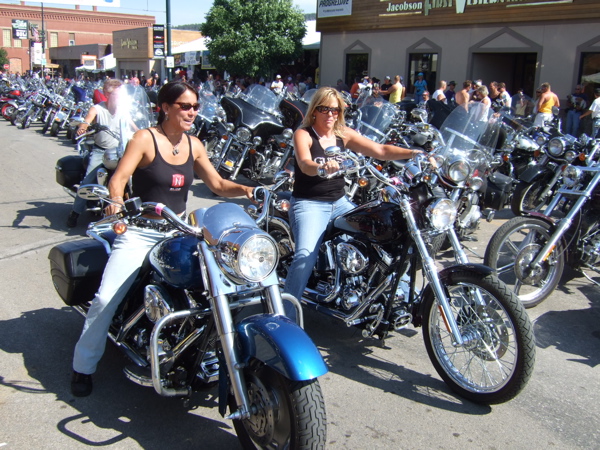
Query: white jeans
128	254
541	118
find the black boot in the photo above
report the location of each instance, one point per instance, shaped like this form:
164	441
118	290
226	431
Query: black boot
72	219
81	384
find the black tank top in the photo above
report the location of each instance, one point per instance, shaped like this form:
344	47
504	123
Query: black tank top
165	183
315	187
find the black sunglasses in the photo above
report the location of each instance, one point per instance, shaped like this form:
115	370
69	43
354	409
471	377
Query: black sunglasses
328	109
188	106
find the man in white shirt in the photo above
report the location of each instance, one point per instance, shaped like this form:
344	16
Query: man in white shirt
277	85
595	112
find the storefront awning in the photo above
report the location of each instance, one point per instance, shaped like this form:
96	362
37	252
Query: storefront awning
593	78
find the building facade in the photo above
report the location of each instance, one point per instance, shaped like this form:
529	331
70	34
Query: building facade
520	42
62	28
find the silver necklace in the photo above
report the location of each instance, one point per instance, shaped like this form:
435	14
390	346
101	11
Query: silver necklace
176	146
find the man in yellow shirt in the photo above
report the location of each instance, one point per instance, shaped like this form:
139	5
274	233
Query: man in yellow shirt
545	102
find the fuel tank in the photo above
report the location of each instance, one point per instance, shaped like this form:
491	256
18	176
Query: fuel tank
176	260
376	221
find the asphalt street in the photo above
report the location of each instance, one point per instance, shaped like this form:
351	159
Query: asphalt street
377	397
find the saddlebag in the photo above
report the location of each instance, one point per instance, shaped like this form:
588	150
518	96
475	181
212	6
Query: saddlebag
497	191
76	268
70	170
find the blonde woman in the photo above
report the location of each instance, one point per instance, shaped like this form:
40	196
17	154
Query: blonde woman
316	199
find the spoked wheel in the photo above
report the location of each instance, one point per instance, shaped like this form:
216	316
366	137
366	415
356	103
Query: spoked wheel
497	356
511	250
526	197
285	413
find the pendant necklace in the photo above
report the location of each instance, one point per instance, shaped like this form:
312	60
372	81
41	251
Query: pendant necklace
318	135
176	146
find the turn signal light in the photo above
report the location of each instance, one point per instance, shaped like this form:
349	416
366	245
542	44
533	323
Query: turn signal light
119	227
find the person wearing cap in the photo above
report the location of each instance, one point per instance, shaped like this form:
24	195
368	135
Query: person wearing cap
395	92
450	93
420	87
594	111
277	85
387	83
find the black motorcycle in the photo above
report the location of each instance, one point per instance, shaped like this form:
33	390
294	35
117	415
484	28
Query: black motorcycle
260	145
376	271
185	326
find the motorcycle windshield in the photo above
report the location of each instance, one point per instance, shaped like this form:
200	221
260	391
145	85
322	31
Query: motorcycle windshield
470	135
134	111
308	95
209	105
262	98
376	117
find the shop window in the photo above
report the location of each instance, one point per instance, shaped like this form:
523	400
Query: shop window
53	39
6	37
357	65
589	72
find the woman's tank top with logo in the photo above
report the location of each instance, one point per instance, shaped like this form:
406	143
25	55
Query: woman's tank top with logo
315	187
162	182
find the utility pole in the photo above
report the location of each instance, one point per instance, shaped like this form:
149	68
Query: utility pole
169	69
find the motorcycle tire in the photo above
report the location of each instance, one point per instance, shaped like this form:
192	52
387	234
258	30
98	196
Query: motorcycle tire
285	245
526	197
54	129
289	414
48	123
7	111
497	362
513	246
27	122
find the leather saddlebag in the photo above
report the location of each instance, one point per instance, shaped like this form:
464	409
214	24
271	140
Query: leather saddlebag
76	268
70	170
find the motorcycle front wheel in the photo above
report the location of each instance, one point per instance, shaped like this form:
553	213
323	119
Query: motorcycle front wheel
497	356
526	197
286	414
48	123
54	129
512	248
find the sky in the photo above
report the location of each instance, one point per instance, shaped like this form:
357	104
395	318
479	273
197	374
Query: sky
182	11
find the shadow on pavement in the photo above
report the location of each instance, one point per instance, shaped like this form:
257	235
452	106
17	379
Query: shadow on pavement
117	409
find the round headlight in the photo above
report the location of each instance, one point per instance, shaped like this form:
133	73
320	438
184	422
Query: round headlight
540	139
571	176
556	147
243	134
287	133
475	183
441	214
229	127
571	155
248	256
458	170
257	141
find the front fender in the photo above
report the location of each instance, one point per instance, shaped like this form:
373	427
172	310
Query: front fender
282	345
532	173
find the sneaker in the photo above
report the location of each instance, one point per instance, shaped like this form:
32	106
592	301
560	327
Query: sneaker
72	219
81	384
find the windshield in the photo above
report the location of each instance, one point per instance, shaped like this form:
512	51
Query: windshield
209	104
470	135
262	98
133	107
376	117
308	95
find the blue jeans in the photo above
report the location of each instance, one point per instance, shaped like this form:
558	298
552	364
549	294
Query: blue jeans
128	254
94	163
573	122
309	219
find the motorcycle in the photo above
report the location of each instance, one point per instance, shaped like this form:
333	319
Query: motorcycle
477	334
529	252
182	323
260	144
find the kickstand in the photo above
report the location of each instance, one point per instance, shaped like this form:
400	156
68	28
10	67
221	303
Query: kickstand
590	278
472	251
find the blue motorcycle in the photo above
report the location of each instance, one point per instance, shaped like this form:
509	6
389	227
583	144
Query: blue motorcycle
206	310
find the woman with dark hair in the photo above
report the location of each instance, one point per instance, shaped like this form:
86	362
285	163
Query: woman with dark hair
317	199
161	161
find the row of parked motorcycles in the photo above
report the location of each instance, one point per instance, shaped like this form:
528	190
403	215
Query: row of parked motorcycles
186	324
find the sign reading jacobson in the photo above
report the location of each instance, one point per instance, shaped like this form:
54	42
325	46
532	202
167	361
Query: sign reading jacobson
158	41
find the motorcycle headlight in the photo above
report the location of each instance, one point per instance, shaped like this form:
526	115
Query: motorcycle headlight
458	170
571	176
441	214
257	141
243	134
540	139
475	183
556	147
229	127
571	155
247	255
287	133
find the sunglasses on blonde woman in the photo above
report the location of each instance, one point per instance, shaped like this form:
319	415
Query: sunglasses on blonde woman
188	106
328	109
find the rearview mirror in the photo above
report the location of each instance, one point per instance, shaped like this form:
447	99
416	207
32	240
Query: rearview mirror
93	192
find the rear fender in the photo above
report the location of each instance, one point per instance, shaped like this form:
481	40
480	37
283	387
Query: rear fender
282	345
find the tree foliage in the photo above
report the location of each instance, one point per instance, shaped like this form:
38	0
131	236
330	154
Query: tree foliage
3	57
253	37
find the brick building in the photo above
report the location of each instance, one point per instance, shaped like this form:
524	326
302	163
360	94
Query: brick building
63	27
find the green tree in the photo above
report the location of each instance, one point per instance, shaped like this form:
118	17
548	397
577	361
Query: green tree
3	57
253	37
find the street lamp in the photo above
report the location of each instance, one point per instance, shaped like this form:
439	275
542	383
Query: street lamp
169	69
